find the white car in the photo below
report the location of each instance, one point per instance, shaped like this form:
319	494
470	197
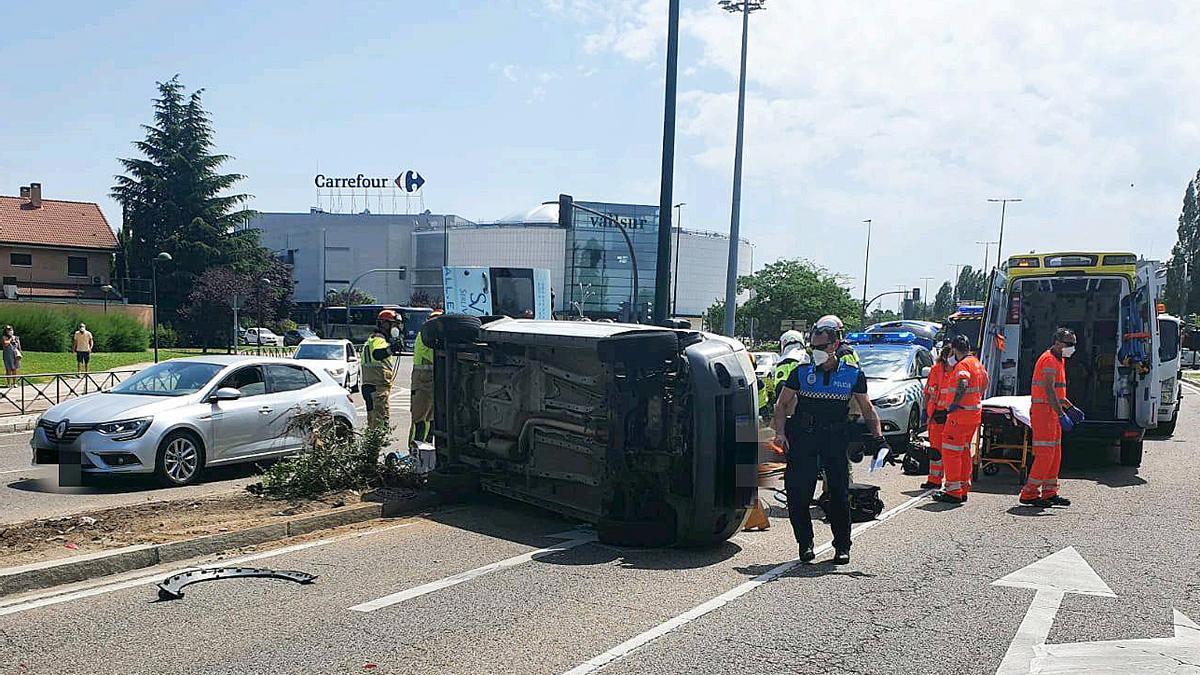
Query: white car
896	367
262	336
336	357
177	418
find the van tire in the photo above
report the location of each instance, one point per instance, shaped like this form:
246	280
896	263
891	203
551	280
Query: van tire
1164	429
1131	452
456	328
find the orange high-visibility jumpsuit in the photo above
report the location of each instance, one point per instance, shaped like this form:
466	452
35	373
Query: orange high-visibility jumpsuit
962	424
934	387
1047	430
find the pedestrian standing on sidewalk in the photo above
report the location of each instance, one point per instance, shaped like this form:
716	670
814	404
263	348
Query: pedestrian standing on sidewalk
82	343
12	352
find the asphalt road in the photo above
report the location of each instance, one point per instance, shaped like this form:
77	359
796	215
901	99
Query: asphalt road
460	592
28	492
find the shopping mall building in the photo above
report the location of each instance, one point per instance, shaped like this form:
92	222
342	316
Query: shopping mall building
590	265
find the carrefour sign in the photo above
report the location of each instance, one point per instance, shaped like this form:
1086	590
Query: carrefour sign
409	181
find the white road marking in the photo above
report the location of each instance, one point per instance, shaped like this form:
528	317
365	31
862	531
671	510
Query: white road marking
1052	577
447	582
53	597
625	648
28	468
1146	656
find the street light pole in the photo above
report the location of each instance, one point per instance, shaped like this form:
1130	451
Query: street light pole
662	290
1000	243
986	245
161	257
927	313
866	269
678	232
745	7
954	288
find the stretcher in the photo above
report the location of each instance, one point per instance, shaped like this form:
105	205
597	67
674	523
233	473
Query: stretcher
1005	437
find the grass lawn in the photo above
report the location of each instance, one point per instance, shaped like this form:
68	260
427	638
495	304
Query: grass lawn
34	363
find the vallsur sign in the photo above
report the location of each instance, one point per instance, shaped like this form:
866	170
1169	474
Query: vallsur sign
409	181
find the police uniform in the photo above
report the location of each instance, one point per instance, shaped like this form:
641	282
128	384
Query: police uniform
377	375
817	434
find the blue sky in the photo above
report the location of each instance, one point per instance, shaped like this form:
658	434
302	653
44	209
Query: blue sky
908	113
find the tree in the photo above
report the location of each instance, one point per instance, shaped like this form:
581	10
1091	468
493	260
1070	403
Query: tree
339	298
787	289
173	199
971	285
208	314
943	302
1183	284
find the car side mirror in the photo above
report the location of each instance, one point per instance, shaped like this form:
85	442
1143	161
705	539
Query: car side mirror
225	394
926	370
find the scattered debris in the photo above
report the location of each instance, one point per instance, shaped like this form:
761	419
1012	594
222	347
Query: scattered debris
88	520
172	587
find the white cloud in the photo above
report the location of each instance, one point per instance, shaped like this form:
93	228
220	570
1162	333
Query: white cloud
914	113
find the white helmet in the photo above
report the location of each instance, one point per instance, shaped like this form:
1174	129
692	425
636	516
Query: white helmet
829	323
791	337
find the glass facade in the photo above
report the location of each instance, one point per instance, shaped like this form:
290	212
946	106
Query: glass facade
599	269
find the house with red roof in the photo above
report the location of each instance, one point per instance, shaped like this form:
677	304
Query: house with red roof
54	249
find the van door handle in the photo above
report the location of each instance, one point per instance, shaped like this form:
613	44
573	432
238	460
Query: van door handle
264	410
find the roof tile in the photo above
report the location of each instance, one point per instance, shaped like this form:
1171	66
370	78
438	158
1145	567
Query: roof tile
55	223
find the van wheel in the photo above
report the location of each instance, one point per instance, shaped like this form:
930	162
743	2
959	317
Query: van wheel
1165	429
914	428
1131	452
180	459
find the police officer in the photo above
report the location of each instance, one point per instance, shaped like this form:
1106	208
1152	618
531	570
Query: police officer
379	365
421	403
791	354
811	423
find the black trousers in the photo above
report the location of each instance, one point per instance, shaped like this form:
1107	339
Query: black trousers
810	454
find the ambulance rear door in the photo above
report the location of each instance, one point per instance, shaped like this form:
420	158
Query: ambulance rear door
1138	360
998	339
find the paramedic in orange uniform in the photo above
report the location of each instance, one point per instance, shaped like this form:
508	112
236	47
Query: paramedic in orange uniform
935	400
964	414
1048	404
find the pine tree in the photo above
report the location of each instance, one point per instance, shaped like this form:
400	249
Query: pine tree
1183	282
174	202
943	302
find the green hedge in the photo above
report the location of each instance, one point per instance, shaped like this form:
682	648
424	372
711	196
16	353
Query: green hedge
45	330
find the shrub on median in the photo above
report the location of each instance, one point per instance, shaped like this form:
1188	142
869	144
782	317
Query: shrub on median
334	458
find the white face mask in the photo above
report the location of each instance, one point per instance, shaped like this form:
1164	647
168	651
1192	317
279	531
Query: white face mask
819	357
1068	352
395	332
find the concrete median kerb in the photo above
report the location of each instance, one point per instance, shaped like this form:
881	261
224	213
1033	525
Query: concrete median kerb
52	573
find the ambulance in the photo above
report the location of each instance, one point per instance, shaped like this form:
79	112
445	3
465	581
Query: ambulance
1110	300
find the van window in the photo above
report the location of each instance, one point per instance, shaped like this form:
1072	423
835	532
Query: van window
1168	341
1120	259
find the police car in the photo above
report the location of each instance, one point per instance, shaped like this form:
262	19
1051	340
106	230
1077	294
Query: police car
896	365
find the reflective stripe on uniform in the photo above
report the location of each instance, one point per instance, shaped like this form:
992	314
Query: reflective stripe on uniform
1045	444
952	448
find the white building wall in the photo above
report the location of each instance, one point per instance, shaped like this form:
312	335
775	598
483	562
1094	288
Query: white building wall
703	260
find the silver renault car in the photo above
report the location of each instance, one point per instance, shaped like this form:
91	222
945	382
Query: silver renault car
176	418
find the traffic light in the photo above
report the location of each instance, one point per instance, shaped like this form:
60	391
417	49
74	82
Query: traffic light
566	211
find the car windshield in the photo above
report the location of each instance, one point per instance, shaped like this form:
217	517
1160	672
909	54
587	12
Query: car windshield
884	364
172	378
321	352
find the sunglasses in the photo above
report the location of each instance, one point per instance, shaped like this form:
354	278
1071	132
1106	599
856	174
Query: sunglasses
822	347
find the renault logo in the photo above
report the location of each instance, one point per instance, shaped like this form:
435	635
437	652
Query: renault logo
60	429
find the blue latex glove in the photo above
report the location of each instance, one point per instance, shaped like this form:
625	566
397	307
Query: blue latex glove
954	407
1076	415
1065	420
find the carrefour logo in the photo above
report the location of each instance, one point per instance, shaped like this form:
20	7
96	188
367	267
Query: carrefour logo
409	181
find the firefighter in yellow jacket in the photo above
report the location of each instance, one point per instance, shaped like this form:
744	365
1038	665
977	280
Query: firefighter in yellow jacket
379	366
421	405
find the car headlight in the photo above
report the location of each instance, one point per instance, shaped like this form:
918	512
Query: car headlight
125	430
889	401
335	371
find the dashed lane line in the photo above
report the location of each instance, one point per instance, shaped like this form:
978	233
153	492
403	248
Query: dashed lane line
55	597
629	646
454	580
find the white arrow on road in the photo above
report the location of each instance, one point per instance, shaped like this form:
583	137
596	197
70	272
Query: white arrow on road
1151	656
1052	577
